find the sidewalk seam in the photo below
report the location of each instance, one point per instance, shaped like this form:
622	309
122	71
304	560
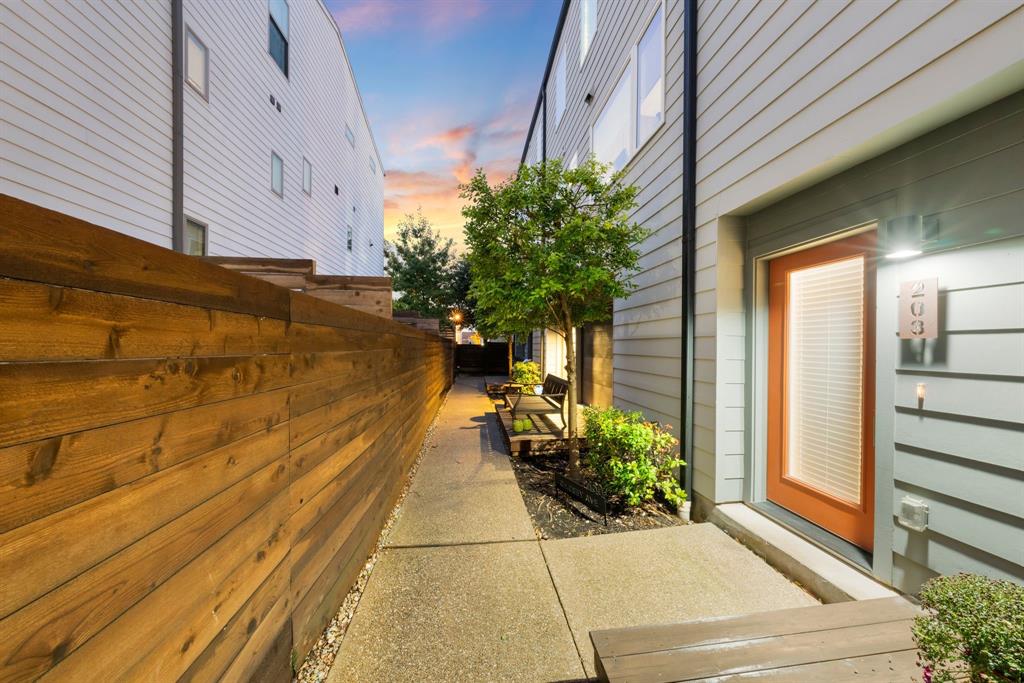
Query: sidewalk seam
565	615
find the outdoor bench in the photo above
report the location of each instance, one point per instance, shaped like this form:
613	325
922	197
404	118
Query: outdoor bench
551	401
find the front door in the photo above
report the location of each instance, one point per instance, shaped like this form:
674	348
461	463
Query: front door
821	386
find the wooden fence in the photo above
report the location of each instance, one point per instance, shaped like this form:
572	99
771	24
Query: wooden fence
194	464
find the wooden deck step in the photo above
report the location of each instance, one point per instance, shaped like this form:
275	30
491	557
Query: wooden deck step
867	640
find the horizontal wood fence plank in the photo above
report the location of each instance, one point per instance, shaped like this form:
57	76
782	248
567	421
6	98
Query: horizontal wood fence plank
40	400
54	549
49	322
47	630
47	246
159	637
42	477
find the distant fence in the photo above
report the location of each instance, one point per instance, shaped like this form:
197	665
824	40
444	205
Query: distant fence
489	359
194	464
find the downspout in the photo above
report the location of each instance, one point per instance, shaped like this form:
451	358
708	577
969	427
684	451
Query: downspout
177	126
689	231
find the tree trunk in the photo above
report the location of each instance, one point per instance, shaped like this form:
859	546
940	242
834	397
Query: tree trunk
510	338
570	399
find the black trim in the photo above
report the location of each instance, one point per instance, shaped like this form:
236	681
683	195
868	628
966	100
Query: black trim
178	125
689	229
539	109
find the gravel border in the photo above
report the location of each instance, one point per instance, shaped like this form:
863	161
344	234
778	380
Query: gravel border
318	662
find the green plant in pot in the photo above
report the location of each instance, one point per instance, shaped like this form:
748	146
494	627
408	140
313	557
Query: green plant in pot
973	630
631	457
526	372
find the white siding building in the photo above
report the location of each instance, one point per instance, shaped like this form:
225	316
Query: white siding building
824	132
277	158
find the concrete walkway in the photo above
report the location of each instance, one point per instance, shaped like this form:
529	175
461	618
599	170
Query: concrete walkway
466	592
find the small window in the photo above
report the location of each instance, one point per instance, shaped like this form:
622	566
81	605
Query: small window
350	135
650	61
197	65
588	27
611	132
373	165
195	238
277	27
348	238
560	88
307	176
276	174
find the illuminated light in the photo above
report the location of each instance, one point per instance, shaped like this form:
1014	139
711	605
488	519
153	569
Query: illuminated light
903	253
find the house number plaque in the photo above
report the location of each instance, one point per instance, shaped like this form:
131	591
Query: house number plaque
919	309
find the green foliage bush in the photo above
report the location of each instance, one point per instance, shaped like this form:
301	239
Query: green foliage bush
631	457
526	372
973	629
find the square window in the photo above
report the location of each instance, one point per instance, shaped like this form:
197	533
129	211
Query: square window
350	135
611	131
277	29
276	174
588	27
650	95
197	65
195	238
307	176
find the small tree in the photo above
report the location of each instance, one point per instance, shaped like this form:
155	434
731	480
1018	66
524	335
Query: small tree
421	265
551	247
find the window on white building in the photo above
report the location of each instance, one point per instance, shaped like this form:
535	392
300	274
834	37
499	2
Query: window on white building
559	88
611	131
277	174
588	27
650	70
350	136
197	64
348	238
307	176
195	238
277	29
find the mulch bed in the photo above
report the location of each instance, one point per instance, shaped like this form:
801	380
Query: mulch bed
556	515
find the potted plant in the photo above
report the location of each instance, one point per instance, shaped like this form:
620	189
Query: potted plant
972	630
631	457
527	374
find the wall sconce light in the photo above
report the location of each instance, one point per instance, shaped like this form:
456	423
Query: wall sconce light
905	236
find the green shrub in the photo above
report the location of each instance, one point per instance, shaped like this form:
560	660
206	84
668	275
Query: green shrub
631	457
526	372
973	629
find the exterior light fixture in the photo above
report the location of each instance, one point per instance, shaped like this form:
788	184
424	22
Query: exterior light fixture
905	236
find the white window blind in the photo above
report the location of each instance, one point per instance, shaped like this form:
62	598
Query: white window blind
824	377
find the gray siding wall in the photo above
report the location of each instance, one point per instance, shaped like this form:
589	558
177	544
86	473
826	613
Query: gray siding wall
648	325
85	125
228	141
962	452
790	93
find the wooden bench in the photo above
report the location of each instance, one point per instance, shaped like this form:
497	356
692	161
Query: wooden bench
867	640
551	401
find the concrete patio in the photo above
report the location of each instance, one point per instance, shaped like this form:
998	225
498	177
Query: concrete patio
466	591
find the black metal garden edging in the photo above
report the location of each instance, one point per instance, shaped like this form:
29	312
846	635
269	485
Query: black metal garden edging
594	500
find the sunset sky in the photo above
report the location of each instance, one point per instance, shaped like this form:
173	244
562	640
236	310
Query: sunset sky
449	86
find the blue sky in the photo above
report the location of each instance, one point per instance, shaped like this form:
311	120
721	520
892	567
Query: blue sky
449	86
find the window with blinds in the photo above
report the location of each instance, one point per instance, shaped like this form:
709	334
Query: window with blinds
824	377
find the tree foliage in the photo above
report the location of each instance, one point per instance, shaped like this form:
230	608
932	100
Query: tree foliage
551	247
422	268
